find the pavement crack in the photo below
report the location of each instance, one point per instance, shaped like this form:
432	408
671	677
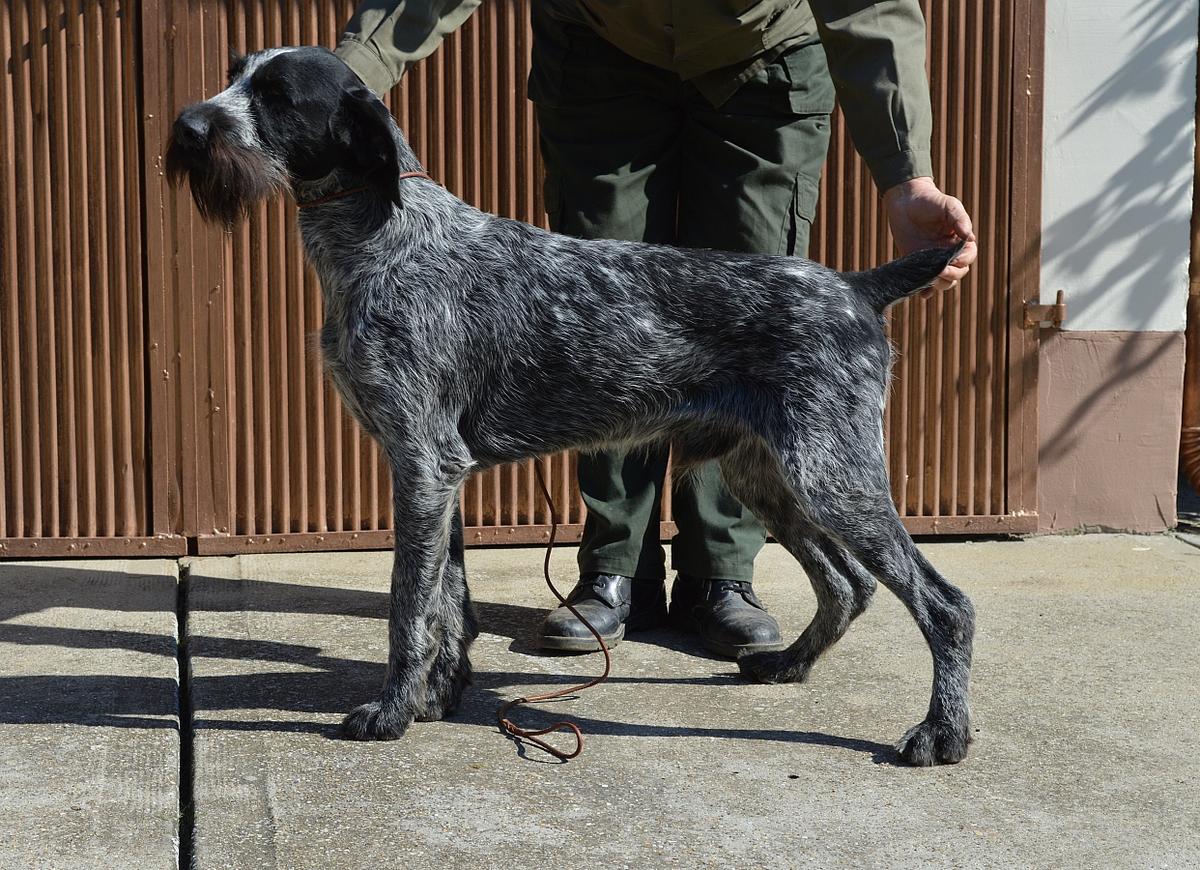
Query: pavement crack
187	793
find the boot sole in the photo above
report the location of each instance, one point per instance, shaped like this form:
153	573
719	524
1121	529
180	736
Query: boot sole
736	652
580	644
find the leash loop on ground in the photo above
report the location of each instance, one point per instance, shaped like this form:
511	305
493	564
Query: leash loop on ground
534	736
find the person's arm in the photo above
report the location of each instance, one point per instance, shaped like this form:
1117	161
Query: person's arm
876	53
386	37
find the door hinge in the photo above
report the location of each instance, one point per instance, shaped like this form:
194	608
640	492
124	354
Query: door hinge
1036	315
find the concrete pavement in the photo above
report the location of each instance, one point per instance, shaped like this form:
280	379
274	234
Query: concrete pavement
1085	699
89	701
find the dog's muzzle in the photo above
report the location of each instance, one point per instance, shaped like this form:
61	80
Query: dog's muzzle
226	169
192	129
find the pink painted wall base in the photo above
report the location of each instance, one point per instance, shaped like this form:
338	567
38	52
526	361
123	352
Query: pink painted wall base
1109	416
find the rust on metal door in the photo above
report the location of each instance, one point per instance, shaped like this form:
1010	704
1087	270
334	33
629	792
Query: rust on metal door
961	421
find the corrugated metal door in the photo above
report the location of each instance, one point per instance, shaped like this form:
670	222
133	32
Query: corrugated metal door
157	375
76	460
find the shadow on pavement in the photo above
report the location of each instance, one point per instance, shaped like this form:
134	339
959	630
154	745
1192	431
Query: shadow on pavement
329	685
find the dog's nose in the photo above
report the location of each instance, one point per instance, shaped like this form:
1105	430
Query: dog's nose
192	128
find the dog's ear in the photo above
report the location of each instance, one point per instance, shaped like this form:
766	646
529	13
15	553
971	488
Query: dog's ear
237	63
362	125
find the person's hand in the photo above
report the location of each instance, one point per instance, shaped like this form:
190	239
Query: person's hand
921	217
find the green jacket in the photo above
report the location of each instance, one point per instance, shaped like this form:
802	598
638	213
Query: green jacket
876	52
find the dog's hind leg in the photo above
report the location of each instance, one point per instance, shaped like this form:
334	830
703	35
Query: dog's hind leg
846	492
425	481
451	622
843	591
943	613
842	587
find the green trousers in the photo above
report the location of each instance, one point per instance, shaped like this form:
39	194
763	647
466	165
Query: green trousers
633	152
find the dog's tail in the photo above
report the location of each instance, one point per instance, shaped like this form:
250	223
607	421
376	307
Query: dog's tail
893	281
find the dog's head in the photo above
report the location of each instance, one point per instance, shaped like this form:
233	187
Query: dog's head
288	116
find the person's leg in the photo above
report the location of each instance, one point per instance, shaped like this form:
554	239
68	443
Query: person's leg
609	128
751	171
623	494
718	536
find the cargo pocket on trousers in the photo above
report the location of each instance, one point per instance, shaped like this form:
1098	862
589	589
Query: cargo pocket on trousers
797	226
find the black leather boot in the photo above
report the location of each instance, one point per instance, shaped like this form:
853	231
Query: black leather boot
726	614
612	604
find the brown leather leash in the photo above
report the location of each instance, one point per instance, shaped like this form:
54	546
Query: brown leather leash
534	736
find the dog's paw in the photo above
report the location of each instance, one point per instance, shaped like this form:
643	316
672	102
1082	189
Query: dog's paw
772	667
932	743
375	721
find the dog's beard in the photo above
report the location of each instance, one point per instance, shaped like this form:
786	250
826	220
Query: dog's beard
226	179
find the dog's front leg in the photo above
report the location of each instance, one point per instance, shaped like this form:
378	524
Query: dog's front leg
451	620
424	498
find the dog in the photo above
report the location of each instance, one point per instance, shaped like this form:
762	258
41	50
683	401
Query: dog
460	340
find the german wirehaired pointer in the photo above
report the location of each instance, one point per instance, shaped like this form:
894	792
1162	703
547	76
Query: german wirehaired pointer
460	340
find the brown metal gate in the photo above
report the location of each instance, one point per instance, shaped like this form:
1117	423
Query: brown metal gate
156	375
73	374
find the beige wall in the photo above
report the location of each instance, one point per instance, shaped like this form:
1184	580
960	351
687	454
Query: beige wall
1120	97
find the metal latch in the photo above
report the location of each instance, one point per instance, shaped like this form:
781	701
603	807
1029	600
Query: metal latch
1036	315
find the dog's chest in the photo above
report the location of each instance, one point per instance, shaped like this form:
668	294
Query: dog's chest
348	362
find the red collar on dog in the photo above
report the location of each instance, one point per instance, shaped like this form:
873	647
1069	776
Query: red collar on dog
353	190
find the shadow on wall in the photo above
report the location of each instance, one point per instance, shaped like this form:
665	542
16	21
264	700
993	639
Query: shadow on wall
1147	222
